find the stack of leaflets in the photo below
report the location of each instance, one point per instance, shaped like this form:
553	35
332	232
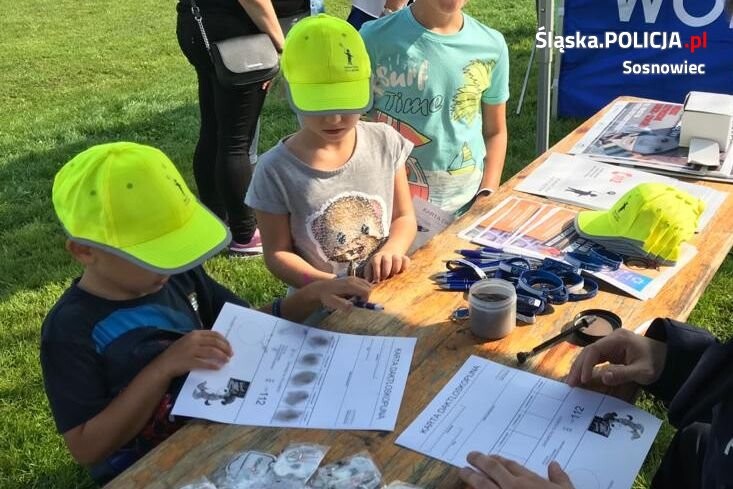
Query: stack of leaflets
647	134
594	185
538	230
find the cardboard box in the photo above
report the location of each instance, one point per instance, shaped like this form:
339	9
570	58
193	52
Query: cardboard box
707	116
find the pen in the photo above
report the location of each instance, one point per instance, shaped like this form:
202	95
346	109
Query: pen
492	249
459	272
368	305
489	262
475	253
457	281
455	286
358	302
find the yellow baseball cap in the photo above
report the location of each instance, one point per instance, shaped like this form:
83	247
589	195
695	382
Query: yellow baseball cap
326	66
130	200
655	216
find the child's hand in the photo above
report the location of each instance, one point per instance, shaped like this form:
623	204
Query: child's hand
335	294
197	349
384	265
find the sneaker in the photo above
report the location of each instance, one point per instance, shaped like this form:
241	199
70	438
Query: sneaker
253	247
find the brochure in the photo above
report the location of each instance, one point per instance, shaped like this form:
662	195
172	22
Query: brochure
580	181
538	230
600	441
288	375
431	220
647	134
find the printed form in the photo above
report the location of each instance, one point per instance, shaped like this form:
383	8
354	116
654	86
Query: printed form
487	407
285	374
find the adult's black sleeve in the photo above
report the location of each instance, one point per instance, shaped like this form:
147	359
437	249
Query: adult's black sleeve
685	345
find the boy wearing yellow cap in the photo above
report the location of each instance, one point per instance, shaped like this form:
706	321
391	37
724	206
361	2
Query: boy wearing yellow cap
442	79
116	346
333	197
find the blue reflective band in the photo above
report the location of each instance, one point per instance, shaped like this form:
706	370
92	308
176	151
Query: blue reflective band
608	258
595	261
545	285
591	290
529	306
552	265
469	268
514	266
573	281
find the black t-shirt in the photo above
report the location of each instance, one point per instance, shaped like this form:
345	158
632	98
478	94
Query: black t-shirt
91	348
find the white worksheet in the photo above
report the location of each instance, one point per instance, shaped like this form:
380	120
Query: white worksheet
487	407
288	375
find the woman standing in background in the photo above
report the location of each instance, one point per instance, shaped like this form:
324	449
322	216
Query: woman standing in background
226	148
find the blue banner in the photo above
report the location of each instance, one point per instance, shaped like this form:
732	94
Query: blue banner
658	49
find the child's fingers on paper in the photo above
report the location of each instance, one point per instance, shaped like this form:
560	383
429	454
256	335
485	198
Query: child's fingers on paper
206	364
558	476
476	480
492	467
216	340
213	354
513	467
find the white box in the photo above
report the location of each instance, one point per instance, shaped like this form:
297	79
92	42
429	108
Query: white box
707	116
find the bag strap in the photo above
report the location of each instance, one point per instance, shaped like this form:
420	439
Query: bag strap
196	12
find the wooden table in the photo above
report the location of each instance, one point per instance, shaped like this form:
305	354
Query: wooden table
413	307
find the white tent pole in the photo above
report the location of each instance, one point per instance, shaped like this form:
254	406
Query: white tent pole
526	79
545	17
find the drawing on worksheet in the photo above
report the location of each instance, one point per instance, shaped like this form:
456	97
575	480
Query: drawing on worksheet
488	407
289	375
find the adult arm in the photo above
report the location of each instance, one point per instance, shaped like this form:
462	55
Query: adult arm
685	346
395	5
263	15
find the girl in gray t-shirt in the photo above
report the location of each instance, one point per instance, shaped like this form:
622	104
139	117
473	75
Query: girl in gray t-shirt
334	196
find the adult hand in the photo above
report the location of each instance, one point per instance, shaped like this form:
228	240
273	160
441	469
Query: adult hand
633	358
384	265
494	472
197	349
334	294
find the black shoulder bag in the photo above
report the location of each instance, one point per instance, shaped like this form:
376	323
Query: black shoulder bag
240	60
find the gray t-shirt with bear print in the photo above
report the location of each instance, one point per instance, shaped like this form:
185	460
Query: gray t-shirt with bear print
339	216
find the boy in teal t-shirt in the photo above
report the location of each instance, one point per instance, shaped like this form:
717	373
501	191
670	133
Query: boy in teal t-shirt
442	80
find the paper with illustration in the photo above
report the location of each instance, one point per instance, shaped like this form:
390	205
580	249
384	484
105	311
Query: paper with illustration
578	180
598	440
646	133
288	375
431	220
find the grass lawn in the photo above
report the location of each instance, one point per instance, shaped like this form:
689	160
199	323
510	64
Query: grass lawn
76	74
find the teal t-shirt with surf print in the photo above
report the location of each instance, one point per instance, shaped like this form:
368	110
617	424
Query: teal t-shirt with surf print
430	88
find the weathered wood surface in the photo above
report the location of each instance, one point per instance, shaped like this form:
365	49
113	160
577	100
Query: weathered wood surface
413	307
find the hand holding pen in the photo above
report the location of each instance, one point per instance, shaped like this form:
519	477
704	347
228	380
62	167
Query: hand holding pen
357	301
